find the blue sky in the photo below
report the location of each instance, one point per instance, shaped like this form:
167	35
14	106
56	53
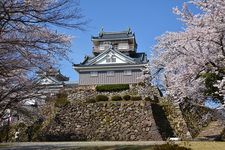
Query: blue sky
147	18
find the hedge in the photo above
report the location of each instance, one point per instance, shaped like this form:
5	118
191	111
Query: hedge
116	98
126	97
101	98
148	99
91	100
135	98
112	87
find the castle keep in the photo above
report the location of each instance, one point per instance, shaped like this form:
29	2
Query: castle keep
115	60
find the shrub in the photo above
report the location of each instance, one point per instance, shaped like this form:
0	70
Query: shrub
223	135
156	99
4	133
61	100
61	95
112	87
21	125
148	99
141	84
91	100
101	98
35	131
126	97
151	100
116	98
135	98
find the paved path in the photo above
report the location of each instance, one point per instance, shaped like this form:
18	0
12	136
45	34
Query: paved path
72	145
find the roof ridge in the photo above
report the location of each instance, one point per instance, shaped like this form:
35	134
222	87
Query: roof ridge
111	32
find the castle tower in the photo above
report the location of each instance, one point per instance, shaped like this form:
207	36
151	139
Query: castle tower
115	60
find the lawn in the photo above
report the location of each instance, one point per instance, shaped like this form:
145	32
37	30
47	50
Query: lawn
192	145
23	146
115	148
121	147
204	145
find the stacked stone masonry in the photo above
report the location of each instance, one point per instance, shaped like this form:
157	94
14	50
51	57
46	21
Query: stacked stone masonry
105	121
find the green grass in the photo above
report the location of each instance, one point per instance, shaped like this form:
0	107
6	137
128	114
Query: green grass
192	145
4	145
117	147
204	145
114	148
134	147
125	147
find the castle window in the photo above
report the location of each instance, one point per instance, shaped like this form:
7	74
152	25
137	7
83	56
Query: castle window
110	58
123	46
102	47
127	72
94	73
110	73
113	59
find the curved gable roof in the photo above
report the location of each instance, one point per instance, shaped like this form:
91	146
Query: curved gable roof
103	54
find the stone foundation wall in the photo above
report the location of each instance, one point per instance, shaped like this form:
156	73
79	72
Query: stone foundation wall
176	120
197	117
112	121
80	94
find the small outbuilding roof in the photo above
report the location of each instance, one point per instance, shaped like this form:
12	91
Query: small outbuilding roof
52	72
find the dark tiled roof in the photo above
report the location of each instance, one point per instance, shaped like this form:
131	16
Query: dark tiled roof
139	58
87	59
114	35
53	72
121	64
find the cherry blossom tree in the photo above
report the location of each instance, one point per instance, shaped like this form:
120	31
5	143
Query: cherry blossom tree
146	75
193	59
29	42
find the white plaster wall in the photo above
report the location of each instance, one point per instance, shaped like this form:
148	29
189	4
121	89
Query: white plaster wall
119	59
46	81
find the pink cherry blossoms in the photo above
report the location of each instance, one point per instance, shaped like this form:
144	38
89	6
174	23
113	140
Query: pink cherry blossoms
198	49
